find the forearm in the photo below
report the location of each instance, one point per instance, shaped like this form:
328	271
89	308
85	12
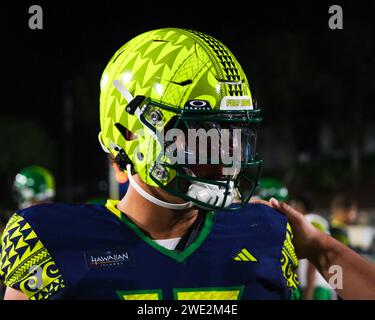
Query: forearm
358	274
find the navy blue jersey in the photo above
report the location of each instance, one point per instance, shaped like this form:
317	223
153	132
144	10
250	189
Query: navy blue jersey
58	251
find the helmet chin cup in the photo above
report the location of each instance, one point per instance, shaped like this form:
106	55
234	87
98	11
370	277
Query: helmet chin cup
212	194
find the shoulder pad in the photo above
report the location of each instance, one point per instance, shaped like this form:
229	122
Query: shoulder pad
25	264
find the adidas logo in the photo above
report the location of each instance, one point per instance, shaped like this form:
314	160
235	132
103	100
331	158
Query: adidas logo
244	255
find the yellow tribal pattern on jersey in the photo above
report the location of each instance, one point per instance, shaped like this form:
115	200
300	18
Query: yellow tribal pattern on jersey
289	260
25	263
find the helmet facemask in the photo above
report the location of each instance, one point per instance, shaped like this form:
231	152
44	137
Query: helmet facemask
205	157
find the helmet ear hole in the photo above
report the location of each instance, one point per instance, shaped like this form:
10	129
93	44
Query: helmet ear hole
126	133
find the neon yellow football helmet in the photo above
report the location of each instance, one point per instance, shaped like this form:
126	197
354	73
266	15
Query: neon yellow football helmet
183	80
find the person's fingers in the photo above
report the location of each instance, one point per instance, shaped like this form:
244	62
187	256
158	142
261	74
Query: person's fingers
292	214
274	203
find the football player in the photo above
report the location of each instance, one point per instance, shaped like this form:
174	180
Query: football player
33	185
175	234
343	213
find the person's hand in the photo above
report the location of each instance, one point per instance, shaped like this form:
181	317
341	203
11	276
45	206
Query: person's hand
305	234
323	252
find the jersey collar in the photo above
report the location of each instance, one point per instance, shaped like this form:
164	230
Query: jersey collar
176	255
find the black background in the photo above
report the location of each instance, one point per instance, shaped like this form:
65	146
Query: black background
303	74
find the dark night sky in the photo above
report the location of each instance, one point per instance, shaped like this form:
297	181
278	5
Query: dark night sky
39	67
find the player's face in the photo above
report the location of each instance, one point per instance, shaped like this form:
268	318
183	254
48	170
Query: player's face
351	215
213	172
192	151
208	149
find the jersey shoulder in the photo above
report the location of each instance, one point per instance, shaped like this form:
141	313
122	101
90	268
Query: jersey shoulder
59	219
34	235
274	226
269	219
25	263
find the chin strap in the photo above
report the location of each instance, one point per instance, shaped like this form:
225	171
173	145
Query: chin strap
204	192
149	197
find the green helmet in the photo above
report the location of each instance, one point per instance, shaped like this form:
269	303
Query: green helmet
272	188
176	79
32	185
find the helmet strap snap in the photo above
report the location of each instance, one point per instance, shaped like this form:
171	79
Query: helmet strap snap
121	158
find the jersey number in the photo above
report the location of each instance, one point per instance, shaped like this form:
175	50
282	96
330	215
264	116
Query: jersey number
213	293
